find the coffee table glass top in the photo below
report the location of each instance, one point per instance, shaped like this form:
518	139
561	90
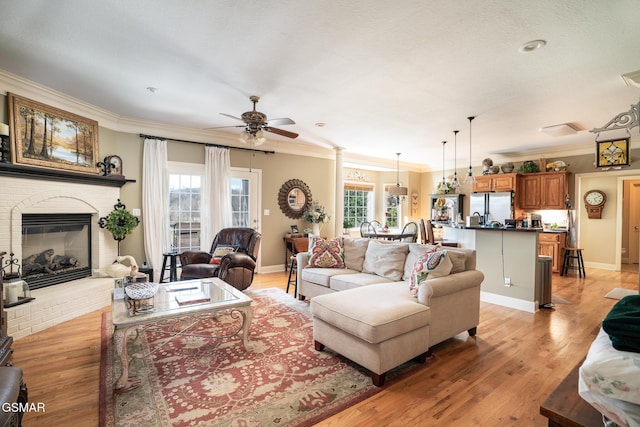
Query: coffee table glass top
179	298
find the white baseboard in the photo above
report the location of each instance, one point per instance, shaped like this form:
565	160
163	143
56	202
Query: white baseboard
518	304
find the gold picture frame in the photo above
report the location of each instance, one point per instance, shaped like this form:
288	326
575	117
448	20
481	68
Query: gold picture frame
612	152
48	137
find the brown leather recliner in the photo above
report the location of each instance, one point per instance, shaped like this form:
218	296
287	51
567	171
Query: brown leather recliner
235	268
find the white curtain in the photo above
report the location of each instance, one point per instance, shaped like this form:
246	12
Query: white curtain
216	195
155	202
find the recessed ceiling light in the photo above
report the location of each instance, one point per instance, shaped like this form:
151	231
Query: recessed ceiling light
321	124
532	45
152	89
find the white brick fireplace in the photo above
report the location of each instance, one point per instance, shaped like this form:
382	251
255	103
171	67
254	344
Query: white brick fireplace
61	302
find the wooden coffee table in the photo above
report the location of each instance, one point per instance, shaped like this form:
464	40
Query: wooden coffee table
200	299
564	407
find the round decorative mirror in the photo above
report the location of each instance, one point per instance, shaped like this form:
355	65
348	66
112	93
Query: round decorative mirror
294	198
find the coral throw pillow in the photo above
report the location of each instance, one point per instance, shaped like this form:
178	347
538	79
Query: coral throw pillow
220	251
326	254
429	265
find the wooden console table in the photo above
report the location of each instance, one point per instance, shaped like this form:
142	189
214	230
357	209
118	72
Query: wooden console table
564	406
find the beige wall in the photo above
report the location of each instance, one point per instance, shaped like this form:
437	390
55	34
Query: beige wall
318	174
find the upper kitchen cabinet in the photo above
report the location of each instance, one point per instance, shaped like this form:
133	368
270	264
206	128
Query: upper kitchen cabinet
543	190
496	182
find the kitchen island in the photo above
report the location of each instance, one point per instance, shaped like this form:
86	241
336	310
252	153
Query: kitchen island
504	255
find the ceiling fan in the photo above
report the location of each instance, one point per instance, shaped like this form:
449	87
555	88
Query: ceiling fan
256	123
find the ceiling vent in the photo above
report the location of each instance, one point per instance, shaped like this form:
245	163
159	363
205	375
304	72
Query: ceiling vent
631	79
563	129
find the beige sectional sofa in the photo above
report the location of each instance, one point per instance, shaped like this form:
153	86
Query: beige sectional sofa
367	313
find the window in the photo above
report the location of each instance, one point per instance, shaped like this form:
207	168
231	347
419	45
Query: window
185	189
358	204
240	202
391	208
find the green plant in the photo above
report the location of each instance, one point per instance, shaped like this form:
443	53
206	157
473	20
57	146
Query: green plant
120	222
529	167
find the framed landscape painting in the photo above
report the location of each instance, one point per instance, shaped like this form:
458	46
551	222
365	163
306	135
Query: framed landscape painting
51	138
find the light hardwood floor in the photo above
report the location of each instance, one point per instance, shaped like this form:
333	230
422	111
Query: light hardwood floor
499	377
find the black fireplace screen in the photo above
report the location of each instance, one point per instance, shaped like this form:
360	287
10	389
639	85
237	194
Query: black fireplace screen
56	248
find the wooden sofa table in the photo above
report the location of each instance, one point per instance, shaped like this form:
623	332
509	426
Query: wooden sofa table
564	406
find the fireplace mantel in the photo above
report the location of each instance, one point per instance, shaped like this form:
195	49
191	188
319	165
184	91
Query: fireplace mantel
20	171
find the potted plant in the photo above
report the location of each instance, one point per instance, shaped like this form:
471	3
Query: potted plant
316	215
120	222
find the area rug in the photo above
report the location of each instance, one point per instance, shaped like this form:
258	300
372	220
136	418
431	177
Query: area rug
619	293
195	381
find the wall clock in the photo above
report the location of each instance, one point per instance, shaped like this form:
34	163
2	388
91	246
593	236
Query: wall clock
116	165
594	201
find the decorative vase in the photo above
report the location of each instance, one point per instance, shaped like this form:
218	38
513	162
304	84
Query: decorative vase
316	229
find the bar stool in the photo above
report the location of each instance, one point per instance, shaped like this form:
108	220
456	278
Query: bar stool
569	255
292	276
172	257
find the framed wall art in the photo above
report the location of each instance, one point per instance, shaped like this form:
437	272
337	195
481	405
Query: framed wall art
48	137
613	152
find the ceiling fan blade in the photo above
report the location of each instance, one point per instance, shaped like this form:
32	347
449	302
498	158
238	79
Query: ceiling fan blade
280	121
281	132
224	127
233	117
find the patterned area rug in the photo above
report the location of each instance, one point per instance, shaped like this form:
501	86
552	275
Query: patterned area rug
194	381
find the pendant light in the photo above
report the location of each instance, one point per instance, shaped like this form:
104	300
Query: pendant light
443	184
455	183
398	191
470	178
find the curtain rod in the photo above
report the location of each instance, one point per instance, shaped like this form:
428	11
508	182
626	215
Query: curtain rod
142	135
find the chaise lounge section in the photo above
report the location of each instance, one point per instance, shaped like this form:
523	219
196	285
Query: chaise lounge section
366	310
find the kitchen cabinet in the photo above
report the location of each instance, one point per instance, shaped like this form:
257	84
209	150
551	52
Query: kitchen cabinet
552	245
543	190
496	182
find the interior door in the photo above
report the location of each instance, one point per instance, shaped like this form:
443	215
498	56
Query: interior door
246	201
634	222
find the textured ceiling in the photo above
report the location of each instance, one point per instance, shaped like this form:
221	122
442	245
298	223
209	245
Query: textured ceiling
384	76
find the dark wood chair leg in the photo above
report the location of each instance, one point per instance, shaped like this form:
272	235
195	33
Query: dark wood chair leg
318	345
378	379
301	297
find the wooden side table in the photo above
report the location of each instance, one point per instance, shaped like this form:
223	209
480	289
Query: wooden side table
565	407
288	248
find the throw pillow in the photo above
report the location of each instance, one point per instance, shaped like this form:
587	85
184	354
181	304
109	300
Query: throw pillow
429	266
415	250
220	251
385	259
458	259
326	254
354	252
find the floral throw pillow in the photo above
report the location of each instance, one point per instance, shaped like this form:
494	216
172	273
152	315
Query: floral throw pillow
428	266
326	254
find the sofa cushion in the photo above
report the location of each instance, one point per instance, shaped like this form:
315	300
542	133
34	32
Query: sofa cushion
326	254
349	281
429	266
415	250
354	252
322	276
385	259
384	311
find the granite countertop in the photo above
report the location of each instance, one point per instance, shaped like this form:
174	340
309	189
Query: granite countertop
503	228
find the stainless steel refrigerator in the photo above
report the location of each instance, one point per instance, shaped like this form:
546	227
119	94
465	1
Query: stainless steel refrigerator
492	206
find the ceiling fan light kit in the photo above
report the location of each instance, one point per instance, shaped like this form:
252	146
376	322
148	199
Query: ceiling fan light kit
256	123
